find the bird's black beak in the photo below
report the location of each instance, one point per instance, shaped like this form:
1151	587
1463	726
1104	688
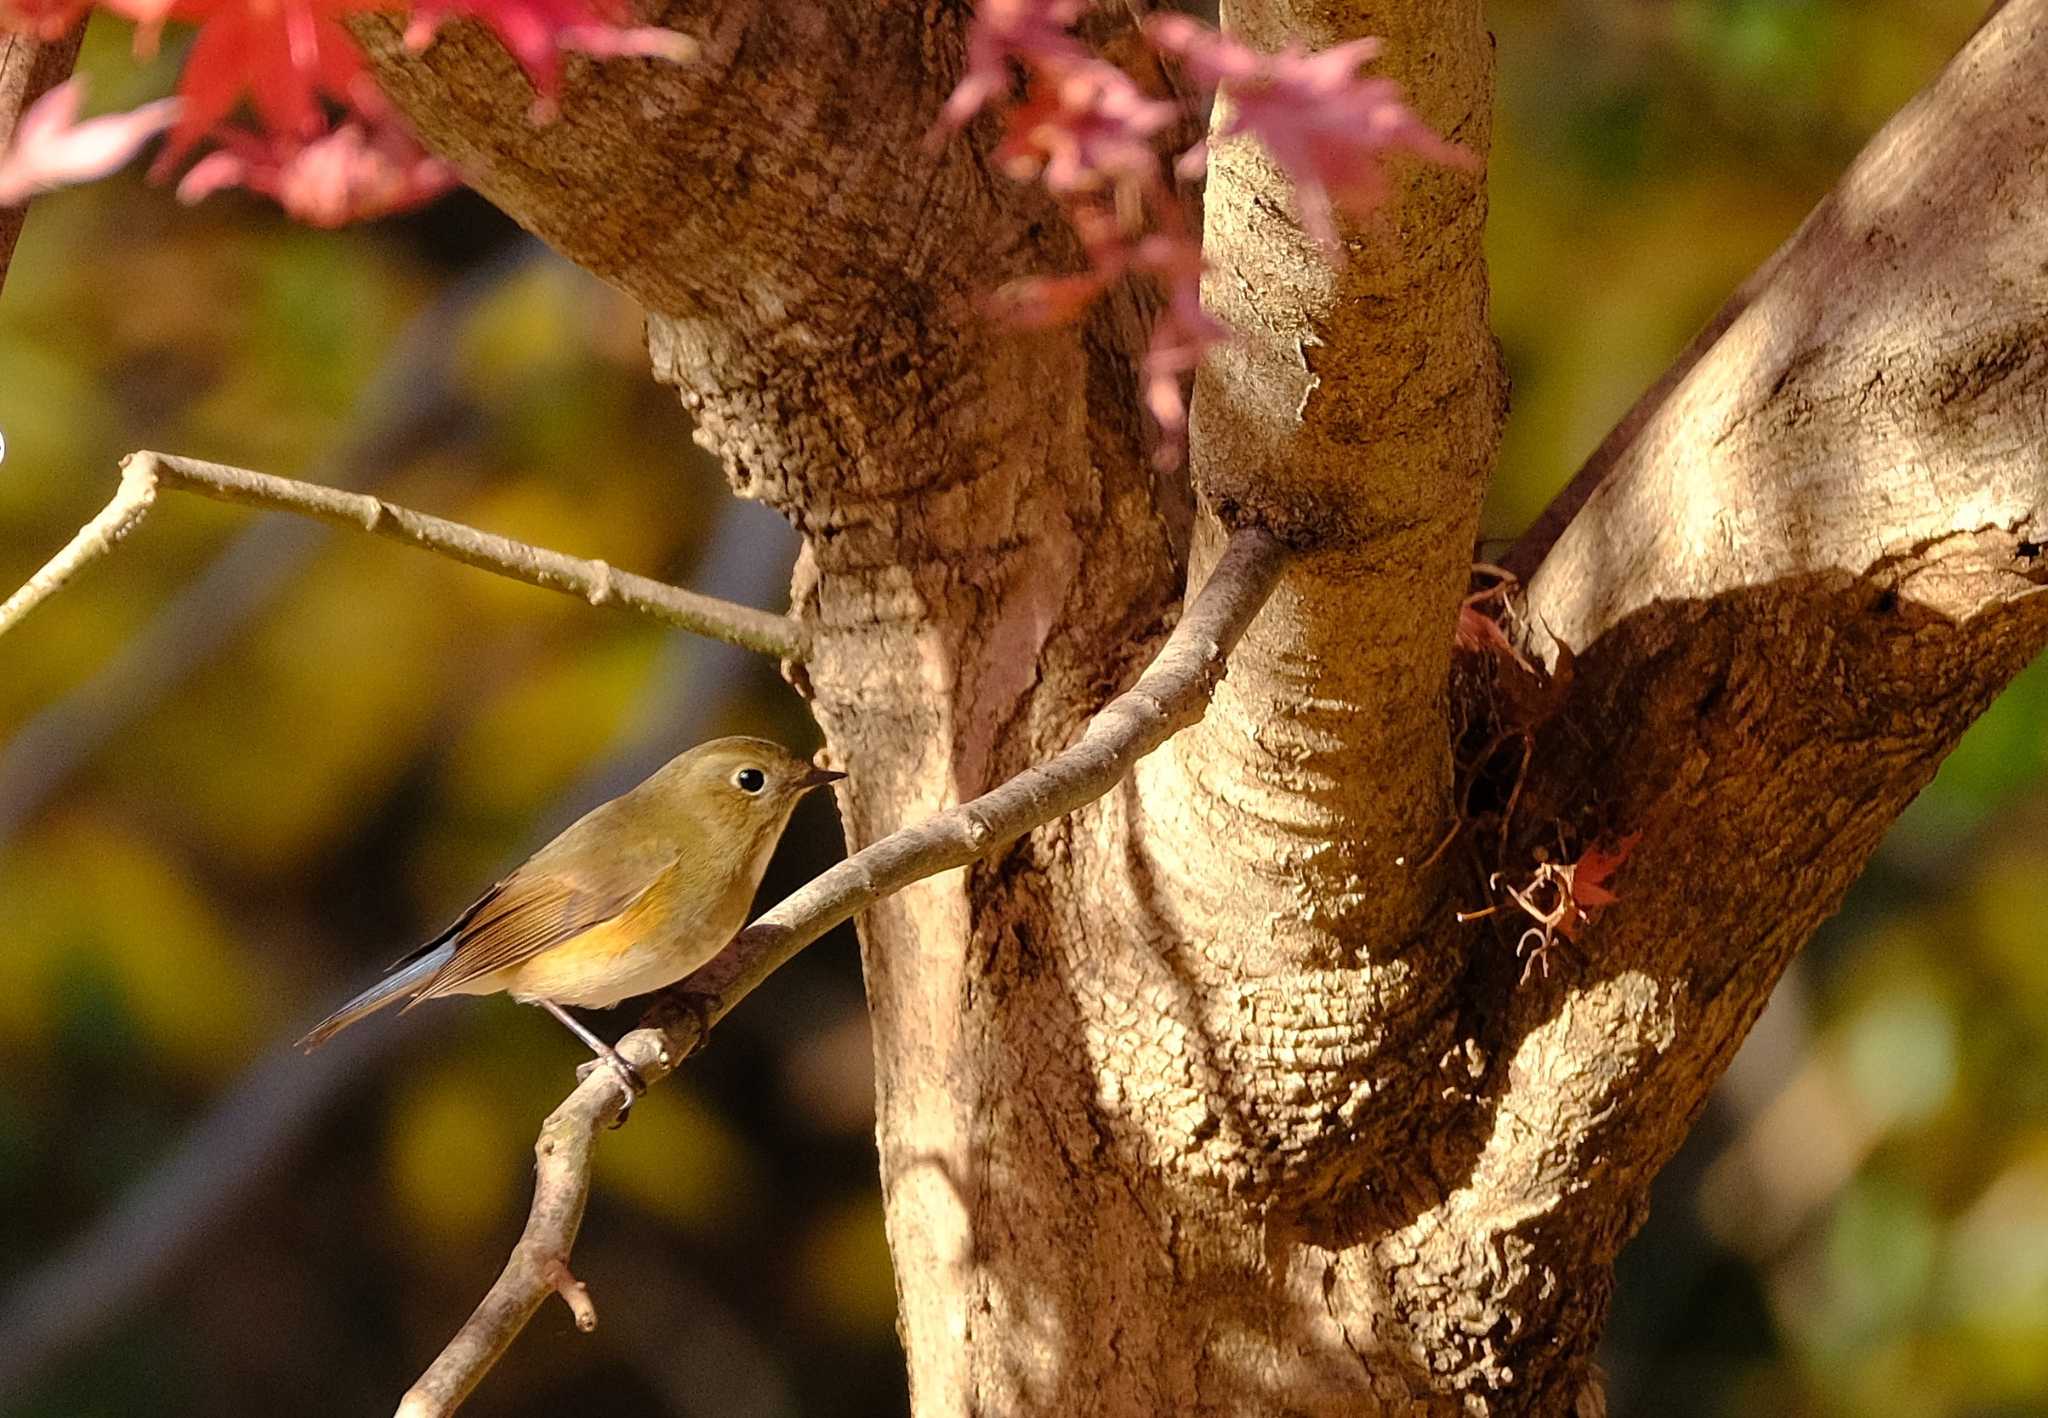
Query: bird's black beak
818	778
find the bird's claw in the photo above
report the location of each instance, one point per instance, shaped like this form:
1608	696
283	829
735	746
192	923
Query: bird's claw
628	1076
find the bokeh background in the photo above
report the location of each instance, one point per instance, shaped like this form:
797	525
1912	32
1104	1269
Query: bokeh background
245	762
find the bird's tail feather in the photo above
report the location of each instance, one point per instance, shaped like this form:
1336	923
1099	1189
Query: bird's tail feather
389	990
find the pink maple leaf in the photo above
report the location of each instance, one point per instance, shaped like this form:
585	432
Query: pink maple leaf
535	32
1085	128
353	173
1183	333
1090	133
51	148
1042	302
1330	127
1033	33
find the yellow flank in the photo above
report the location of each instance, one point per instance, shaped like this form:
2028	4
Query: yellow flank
642	949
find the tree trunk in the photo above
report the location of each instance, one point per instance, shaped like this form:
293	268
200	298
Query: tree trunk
1202	1100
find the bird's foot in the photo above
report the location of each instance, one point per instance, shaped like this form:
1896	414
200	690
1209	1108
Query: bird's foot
628	1076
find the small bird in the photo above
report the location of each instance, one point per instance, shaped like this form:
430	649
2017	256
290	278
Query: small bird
633	896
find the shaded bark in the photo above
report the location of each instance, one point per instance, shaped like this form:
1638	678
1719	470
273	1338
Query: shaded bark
1815	562
1200	1100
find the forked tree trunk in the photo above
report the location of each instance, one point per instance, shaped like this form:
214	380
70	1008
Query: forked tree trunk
1202	1101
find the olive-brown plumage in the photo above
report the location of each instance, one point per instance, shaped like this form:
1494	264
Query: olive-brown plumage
633	896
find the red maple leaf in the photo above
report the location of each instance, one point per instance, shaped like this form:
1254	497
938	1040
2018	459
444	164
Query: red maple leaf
1589	876
44	19
287	58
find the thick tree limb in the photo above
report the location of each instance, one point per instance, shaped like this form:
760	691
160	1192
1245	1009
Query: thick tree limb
1811	564
987	543
1356	412
1535	542
595	581
1169	695
29	68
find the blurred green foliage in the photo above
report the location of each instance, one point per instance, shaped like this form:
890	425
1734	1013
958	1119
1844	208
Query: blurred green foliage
1859	1227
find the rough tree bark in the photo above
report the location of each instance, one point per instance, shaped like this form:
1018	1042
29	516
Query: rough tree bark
1202	1100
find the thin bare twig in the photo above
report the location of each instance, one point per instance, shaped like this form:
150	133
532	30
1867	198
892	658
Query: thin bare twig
595	581
1172	693
131	502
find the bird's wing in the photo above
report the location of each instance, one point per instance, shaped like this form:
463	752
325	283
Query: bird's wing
536	910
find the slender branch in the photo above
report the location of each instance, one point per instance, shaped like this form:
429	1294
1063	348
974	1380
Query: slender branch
131	502
1172	693
595	581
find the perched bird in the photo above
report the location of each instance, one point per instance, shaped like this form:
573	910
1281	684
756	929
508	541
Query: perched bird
633	896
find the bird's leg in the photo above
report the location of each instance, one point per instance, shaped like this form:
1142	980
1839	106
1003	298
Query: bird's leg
629	1076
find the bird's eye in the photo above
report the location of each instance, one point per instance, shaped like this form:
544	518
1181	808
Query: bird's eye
750	780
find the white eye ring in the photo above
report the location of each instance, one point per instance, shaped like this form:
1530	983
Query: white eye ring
750	780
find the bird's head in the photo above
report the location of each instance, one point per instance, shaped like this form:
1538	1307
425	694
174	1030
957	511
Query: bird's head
739	789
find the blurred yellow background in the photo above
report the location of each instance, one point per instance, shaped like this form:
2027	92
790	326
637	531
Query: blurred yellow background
244	763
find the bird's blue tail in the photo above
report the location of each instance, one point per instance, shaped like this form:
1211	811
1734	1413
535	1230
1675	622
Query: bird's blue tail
398	985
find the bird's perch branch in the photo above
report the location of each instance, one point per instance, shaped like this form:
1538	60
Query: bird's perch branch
595	581
1172	693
